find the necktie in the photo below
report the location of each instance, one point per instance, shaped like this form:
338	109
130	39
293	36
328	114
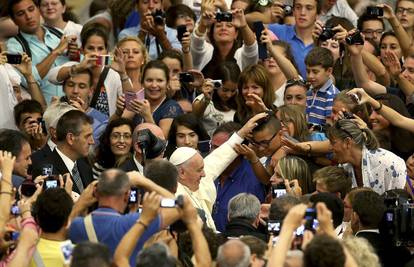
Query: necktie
77	178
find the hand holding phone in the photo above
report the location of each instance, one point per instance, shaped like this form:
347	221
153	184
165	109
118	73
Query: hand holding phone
181	29
14	59
259	28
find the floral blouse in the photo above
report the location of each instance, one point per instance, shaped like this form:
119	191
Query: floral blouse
382	170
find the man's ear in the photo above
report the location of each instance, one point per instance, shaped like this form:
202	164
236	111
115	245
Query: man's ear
355	217
329	70
70	139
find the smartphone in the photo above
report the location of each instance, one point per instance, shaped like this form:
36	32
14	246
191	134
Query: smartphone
133	195
130	96
67	249
167	203
273	227
104	60
14	58
311	221
258	28
42	124
375	11
278	190
181	29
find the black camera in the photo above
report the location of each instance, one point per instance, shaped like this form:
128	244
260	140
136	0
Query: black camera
348	115
355	39
158	16
374	11
398	221
151	145
326	34
186	77
288	9
224	16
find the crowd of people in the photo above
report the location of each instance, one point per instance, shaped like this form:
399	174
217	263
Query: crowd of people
206	133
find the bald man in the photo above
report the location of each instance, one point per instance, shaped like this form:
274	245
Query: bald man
233	253
135	163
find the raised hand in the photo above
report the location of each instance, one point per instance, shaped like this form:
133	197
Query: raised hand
25	67
6	162
150	208
239	19
207	89
118	64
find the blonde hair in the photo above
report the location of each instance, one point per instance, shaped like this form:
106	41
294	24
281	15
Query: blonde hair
296	115
362	251
139	42
293	167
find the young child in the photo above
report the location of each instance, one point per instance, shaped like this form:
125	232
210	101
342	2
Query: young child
320	96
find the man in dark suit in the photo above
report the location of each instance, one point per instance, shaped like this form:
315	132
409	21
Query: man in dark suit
136	162
368	211
74	136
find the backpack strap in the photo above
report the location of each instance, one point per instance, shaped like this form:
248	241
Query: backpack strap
90	230
23	42
101	80
37	259
54	31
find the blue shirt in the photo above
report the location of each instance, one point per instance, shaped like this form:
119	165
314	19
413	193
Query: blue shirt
110	227
153	54
287	34
242	180
40	50
319	104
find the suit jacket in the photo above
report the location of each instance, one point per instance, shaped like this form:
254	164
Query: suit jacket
59	167
39	156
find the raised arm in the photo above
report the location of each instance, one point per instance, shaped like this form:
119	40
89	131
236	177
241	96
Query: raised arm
44	66
186	48
200	105
6	195
360	74
283	62
375	65
388	113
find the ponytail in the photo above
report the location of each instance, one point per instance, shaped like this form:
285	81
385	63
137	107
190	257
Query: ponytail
371	141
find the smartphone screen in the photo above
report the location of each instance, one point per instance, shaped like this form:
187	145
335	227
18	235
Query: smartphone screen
167	203
133	196
51	184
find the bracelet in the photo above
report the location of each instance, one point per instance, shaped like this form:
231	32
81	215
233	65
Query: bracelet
186	51
33	82
379	108
198	33
7	193
255	162
143	224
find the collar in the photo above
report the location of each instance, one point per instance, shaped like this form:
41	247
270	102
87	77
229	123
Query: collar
139	165
106	211
51	144
368	231
325	87
33	37
68	162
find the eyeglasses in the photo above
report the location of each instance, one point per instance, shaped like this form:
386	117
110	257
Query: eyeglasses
409	10
264	143
370	32
119	136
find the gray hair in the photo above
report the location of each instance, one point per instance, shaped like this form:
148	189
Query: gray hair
53	113
112	182
244	205
233	253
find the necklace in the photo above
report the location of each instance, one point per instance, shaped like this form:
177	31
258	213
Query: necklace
190	194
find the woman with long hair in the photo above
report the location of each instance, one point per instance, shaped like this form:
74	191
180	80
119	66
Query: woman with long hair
115	146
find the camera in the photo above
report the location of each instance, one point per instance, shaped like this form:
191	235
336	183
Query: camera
217	84
273	227
326	34
151	145
375	11
398	221
28	188
186	77
348	115
224	16
158	16
355	39
171	203
288	9
51	180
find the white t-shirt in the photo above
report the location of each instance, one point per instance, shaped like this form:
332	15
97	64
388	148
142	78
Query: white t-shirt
73	29
279	95
213	117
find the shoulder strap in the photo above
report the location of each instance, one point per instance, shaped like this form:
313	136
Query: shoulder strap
25	45
101	80
37	259
55	31
90	230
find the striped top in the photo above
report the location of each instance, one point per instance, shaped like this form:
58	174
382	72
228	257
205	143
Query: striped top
319	104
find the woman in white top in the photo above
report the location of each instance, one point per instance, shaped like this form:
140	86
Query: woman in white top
53	12
224	45
94	46
217	104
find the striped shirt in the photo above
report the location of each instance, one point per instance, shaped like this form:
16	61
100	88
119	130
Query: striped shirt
319	103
